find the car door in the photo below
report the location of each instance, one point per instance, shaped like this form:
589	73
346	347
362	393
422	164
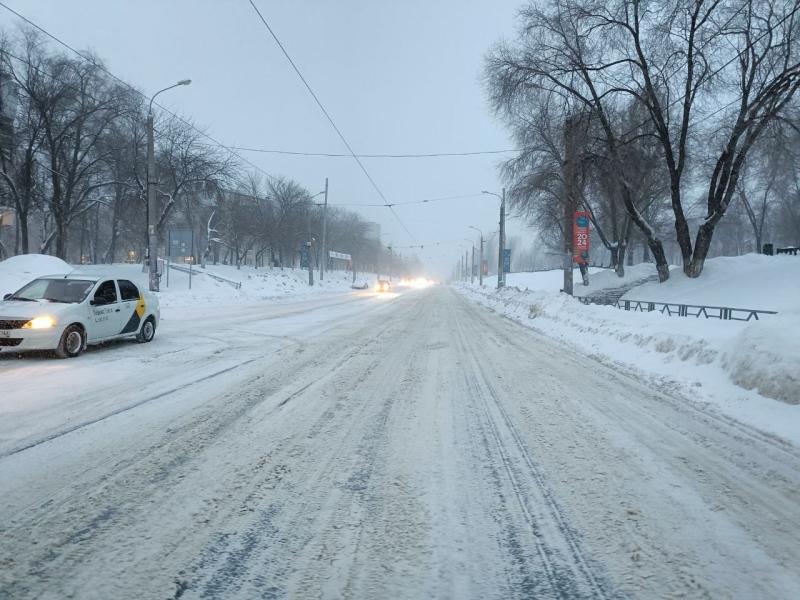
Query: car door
132	306
105	311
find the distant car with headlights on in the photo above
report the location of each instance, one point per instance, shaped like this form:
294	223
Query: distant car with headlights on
383	286
65	313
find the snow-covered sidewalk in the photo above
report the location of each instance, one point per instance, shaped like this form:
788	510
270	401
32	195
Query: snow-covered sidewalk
741	367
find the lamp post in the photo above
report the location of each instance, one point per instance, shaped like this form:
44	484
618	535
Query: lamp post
480	258
501	274
152	212
324	260
471	260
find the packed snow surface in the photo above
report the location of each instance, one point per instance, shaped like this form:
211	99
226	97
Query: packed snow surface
743	367
365	445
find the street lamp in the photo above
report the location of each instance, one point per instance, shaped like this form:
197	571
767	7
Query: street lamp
152	213
472	260
480	258
501	273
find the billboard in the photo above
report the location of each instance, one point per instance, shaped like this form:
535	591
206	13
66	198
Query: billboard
580	237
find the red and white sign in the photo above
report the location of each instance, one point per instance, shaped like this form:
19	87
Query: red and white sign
580	237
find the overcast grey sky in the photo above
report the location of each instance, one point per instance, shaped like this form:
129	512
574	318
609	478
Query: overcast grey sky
397	77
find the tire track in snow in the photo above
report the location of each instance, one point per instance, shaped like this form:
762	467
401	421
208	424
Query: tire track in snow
477	378
228	564
138	403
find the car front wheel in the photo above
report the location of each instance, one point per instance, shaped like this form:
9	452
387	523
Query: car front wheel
71	343
147	331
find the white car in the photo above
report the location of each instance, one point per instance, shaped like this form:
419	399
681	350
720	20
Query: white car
64	313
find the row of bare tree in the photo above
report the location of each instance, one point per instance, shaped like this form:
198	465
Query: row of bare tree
678	120
73	174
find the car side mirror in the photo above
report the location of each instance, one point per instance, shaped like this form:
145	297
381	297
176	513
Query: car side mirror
7	296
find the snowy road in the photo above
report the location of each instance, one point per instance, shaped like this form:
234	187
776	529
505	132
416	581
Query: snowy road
364	446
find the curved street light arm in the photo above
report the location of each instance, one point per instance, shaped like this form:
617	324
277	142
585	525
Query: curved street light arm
174	85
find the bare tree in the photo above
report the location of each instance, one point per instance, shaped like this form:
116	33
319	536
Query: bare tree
291	211
670	58
22	63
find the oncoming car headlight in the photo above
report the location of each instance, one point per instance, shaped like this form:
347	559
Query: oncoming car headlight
40	323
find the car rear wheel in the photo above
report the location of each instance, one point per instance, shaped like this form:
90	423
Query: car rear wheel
71	343
147	331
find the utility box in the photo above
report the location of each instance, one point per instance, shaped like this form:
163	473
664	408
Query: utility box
768	249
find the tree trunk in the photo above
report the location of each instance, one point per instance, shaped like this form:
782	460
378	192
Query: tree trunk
61	239
22	222
662	266
584	273
619	259
702	245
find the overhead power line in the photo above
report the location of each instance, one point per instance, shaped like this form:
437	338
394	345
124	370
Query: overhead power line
334	155
105	70
329	118
423	201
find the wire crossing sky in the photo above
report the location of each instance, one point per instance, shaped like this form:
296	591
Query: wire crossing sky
400	79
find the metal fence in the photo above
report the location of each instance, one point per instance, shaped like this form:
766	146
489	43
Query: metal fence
673	309
236	284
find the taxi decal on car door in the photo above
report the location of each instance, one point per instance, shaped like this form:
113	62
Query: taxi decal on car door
136	317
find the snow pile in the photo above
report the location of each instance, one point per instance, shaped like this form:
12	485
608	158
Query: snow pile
17	271
553	280
750	281
217	284
725	358
766	357
227	285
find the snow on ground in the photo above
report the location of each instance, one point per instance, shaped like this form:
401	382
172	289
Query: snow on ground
406	445
750	281
553	280
256	284
19	270
741	367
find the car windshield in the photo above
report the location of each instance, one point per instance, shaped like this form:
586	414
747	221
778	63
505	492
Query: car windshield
55	290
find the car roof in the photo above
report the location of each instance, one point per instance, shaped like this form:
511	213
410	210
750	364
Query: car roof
73	275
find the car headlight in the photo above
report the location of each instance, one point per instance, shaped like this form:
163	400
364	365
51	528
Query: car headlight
40	323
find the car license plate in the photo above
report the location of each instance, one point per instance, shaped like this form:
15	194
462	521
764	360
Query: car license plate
4	333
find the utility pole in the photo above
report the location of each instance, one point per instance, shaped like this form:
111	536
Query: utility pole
569	199
152	209
501	273
324	234
391	260
472	266
480	264
308	261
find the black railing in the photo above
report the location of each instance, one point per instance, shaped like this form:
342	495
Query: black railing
675	309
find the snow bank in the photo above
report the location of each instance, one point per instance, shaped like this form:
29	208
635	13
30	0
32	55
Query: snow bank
256	284
750	281
766	357
553	280
721	361
16	271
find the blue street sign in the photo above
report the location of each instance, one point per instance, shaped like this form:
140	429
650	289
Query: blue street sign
506	260
180	242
